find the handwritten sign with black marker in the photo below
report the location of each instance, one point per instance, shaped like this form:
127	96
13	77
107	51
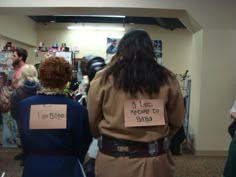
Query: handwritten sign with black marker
144	112
48	116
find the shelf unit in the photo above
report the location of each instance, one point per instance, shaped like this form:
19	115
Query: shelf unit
6	59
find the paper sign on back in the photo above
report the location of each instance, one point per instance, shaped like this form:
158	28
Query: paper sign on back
144	112
48	116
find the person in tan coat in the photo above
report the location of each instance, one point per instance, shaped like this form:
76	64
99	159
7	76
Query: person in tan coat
135	105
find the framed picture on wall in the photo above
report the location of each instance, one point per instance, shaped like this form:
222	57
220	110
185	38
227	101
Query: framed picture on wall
157	44
111	48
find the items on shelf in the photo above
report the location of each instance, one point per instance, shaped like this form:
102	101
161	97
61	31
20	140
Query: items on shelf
6	63
53	48
8	47
70	56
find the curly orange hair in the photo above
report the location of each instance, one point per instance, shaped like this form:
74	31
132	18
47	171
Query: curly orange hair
54	72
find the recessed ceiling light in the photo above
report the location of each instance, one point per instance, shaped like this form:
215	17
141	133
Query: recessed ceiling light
100	28
111	16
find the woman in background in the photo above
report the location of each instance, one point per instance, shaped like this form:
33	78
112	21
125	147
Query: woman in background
27	85
54	129
134	139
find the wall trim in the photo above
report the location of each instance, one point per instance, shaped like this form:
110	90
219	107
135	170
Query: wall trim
211	153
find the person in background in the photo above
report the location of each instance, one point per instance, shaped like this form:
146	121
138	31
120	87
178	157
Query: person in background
135	105
232	126
90	65
19	59
72	87
54	129
5	95
229	169
1	85
28	85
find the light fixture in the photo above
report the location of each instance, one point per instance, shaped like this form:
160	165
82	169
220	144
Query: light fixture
108	16
100	28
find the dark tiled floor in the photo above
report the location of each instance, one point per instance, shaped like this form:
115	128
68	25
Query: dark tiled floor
186	165
199	166
8	165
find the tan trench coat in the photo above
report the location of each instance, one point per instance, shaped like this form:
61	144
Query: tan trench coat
106	116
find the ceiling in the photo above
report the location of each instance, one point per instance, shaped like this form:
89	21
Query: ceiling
168	23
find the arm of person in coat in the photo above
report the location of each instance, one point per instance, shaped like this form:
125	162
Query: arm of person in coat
233	111
175	107
95	99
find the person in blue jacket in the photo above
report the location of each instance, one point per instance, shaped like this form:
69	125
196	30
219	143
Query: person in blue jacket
54	129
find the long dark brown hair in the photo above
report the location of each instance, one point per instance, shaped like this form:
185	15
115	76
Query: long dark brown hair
134	67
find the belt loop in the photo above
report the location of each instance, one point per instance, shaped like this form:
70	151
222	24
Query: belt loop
166	144
100	142
153	148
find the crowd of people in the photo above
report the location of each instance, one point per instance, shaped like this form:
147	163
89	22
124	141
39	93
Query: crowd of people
134	106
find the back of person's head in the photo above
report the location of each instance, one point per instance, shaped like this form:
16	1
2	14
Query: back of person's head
134	67
54	73
22	53
29	73
136	46
94	65
90	64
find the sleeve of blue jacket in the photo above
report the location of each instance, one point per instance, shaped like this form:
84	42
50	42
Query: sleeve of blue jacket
83	136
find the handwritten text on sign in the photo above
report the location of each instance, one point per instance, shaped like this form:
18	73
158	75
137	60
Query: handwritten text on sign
48	116
144	112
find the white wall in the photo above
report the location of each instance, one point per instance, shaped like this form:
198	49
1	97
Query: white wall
18	28
177	50
217	89
213	89
196	85
21	31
